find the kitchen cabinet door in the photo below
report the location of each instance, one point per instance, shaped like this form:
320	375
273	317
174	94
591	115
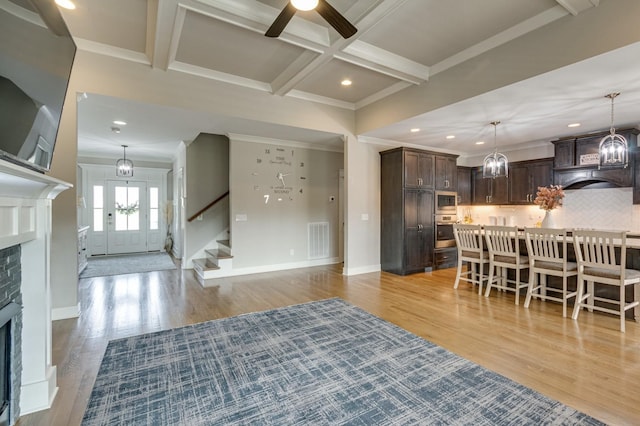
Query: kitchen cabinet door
464	186
418	169
446	174
526	177
520	185
489	191
418	250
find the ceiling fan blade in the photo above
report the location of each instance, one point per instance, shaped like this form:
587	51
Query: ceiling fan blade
335	19
281	21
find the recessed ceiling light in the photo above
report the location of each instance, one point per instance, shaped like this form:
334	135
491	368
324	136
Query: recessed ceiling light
346	82
415	130
574	125
480	143
120	122
67	4
451	137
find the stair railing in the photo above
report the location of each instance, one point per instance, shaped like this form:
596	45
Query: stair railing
207	207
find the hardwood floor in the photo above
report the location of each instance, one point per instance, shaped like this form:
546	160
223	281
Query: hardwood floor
587	364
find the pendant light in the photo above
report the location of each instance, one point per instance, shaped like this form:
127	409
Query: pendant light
124	167
495	164
613	149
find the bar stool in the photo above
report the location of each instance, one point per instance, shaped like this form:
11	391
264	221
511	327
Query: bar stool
504	253
598	262
470	249
547	250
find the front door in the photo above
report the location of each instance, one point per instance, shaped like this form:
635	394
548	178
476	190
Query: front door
126	217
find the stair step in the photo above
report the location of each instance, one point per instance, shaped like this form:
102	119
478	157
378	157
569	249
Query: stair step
205	265
219	253
225	243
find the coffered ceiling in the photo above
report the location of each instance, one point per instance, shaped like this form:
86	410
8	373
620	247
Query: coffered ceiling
399	44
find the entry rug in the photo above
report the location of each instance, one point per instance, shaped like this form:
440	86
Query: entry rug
319	363
127	264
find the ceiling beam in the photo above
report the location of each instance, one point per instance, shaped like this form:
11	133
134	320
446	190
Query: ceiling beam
576	6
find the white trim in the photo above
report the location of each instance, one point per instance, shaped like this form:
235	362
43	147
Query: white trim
210	282
108	50
385	62
361	270
269	141
65	313
219	76
38	396
305	96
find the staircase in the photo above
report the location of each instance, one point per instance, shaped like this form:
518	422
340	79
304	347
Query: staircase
217	263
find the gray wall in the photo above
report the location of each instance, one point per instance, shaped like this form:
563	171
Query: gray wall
275	232
207	177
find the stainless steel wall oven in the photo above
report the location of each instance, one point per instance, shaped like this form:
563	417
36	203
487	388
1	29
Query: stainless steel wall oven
444	230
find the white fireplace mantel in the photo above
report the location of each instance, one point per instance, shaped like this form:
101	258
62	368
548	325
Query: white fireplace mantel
25	219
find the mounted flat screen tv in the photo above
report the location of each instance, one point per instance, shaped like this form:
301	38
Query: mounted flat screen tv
35	66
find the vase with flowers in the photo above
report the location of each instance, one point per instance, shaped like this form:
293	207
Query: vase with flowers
549	198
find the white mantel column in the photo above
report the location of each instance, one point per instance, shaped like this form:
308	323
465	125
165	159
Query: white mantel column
25	218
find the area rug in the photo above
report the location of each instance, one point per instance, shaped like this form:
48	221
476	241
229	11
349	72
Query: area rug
127	264
320	363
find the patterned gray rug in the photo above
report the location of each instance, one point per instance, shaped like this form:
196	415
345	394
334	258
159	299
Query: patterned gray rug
324	362
127	264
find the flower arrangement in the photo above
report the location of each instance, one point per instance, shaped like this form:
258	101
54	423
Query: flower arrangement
549	197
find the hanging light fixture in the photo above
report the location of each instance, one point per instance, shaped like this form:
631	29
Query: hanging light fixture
613	149
124	167
495	164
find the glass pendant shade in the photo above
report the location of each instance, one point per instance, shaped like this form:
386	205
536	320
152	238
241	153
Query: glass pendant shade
614	149
495	164
124	167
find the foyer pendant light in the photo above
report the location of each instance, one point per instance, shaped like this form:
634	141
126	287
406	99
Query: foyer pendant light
495	164
124	167
613	149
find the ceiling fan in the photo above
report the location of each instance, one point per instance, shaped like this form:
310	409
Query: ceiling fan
332	16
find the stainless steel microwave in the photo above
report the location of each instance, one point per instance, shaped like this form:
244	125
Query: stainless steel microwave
446	202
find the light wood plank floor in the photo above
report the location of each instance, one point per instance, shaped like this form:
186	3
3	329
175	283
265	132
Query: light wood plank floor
587	364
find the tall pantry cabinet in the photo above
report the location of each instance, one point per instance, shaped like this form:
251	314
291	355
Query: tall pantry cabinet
406	234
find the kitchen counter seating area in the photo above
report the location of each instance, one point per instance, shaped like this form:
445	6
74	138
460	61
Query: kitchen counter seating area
551	263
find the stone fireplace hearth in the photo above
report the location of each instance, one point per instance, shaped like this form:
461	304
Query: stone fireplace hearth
25	235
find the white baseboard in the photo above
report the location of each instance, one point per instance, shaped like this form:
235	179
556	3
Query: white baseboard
361	270
271	268
65	313
39	395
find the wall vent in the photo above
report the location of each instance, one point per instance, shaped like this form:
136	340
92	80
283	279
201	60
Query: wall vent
318	240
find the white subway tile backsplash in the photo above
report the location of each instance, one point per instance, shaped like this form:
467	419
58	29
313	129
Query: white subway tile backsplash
605	208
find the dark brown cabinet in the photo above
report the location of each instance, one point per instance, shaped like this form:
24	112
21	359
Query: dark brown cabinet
418	169
565	154
418	228
446	173
464	185
406	211
576	163
489	191
525	177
